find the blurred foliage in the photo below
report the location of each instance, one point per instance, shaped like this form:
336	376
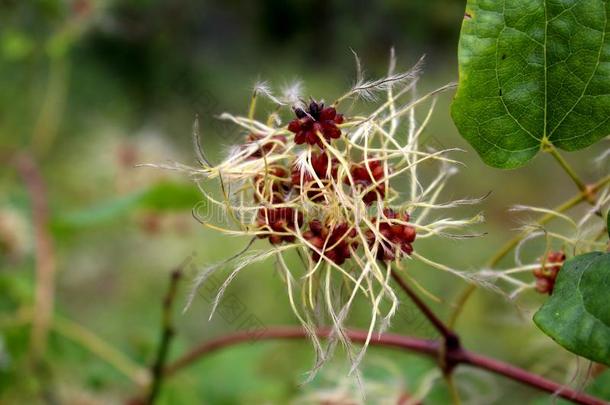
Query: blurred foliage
160	197
92	88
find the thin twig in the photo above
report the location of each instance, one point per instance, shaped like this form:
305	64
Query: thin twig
580	184
427	347
450	337
423	346
85	338
167	333
102	349
453	391
52	109
45	256
451	341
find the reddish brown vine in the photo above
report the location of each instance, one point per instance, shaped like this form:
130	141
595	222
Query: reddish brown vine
449	352
426	347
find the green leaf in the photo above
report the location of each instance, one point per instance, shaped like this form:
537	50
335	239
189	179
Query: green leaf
15	45
533	72
576	315
601	386
99	212
171	197
164	197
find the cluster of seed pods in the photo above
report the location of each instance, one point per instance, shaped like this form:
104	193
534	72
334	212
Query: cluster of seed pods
547	275
397	237
279	222
313	121
279	185
365	175
337	241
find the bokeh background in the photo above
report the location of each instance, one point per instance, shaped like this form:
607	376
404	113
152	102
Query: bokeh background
89	89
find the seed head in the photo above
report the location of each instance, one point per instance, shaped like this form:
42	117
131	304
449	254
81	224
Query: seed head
334	193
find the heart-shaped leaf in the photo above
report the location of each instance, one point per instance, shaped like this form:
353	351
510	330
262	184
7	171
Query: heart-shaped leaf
533	72
577	315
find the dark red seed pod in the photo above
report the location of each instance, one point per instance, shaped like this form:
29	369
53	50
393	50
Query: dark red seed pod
317	241
336	241
408	234
275	220
295	125
272	187
275	239
547	275
315	226
324	169
364	178
544	286
407	248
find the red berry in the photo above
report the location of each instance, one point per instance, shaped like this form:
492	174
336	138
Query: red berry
275	239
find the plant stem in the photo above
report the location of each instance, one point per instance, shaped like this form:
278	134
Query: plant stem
167	333
510	245
92	342
85	338
453	391
463	298
51	112
567	168
44	295
438	324
451	341
423	346
252	108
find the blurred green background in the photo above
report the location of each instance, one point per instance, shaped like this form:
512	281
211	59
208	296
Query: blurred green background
88	89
